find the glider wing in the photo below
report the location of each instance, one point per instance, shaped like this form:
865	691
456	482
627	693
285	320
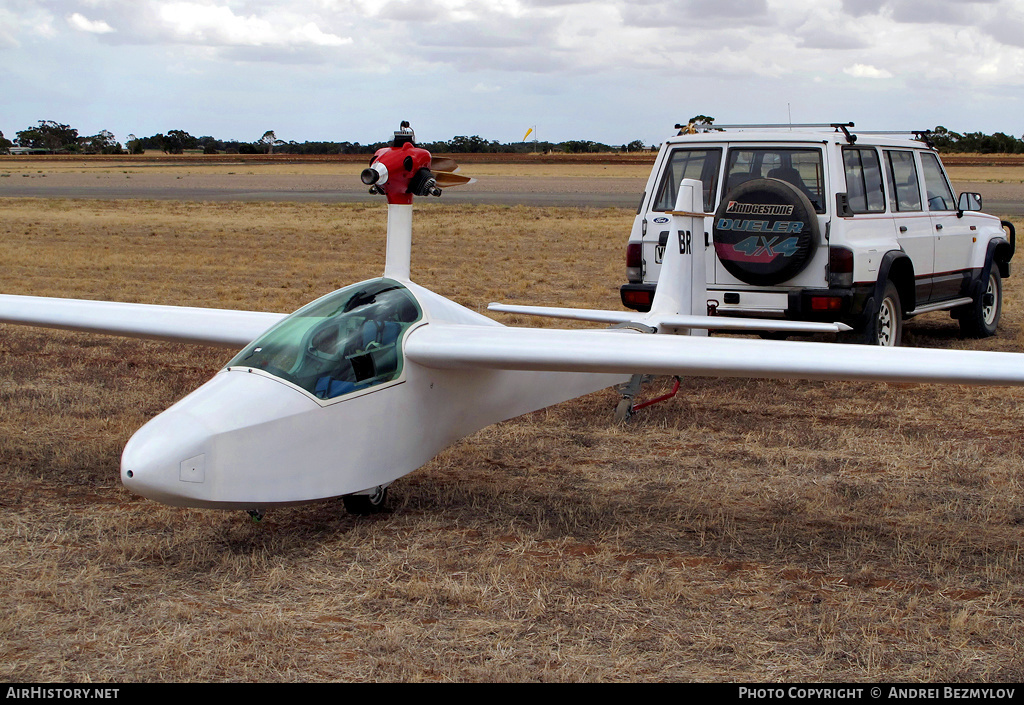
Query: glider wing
619	351
204	326
673	320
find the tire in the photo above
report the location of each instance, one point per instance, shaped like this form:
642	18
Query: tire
765	232
884	326
366	504
980	318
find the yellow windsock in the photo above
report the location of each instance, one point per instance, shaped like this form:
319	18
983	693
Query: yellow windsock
528	133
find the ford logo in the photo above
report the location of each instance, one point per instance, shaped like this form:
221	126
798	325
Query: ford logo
660	220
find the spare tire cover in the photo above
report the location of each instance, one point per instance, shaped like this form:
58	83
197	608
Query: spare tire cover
766	231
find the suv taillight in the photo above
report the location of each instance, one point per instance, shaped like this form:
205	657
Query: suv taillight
634	262
840	267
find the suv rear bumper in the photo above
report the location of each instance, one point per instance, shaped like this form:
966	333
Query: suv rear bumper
835	304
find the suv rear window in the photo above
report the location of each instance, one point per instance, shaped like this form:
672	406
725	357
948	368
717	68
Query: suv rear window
800	167
700	164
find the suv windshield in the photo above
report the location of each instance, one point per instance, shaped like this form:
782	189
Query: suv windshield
340	343
800	167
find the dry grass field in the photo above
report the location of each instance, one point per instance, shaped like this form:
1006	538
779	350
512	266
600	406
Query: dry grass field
29	168
743	531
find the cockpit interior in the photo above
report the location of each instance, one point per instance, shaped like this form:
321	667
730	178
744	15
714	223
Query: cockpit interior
344	342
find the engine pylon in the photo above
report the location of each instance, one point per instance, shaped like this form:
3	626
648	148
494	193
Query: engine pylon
400	172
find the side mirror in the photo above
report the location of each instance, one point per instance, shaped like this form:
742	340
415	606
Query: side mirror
969	202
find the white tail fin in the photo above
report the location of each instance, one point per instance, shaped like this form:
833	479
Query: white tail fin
682	284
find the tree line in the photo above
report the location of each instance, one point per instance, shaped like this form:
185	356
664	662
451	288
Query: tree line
51	137
975	142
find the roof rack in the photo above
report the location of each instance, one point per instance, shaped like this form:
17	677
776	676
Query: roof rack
785	126
920	135
837	126
844	127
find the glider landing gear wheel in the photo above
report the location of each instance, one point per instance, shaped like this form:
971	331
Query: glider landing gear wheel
365	504
980	318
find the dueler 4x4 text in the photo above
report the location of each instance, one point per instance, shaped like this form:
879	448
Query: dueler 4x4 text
819	222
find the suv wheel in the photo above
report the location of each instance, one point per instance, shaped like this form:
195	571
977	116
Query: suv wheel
885	325
980	318
888	320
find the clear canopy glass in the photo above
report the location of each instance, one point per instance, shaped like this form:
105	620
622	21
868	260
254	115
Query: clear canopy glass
343	342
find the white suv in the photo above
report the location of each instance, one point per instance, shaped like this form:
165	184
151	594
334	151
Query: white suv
819	222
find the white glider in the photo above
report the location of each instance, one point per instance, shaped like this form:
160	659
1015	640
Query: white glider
366	384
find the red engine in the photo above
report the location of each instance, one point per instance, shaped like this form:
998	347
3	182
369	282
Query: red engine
401	171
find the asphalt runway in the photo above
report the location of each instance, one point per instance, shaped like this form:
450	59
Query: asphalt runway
582	192
604	192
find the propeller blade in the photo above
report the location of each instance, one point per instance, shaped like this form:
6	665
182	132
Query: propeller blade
443	164
445	179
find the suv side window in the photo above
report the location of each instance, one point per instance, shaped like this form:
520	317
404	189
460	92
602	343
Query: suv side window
700	164
904	191
801	168
865	193
940	196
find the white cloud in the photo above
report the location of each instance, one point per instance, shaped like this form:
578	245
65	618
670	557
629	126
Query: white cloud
866	71
31	21
7	22
86	25
196	23
639	59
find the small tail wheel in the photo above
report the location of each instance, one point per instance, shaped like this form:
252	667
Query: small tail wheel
624	410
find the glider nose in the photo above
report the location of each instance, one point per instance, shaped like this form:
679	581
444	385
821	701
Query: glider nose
167	458
225	445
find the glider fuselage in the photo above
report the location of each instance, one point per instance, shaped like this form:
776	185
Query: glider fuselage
250	438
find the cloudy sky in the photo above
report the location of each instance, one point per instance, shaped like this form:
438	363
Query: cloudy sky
609	70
